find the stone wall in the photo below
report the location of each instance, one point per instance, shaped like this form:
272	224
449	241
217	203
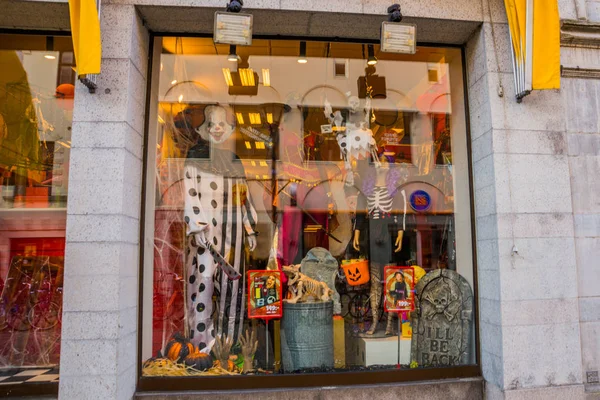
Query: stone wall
529	263
581	98
535	169
99	333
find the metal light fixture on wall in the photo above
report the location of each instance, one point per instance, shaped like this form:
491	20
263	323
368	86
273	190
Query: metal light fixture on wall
233	27
397	37
371	60
302	57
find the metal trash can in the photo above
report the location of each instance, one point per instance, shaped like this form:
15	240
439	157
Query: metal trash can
307	335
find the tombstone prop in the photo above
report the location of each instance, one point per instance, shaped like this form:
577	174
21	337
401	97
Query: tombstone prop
442	320
320	265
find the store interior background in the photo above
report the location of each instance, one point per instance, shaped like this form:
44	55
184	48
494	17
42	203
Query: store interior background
429	83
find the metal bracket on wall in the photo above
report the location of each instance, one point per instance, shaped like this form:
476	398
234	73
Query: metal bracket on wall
90	81
523	63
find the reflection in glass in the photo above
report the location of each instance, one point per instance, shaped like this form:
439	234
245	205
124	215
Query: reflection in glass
329	171
36	103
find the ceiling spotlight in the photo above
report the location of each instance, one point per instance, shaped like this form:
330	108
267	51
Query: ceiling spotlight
233	57
302	57
372	60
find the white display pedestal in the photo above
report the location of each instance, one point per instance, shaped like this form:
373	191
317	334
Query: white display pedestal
380	351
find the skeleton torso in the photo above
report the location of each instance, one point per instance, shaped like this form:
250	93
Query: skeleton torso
379	203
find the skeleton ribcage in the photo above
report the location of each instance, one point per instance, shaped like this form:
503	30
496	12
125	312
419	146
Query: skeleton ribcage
379	202
311	286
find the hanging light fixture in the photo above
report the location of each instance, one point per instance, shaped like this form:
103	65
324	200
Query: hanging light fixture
371	60
228	76
233	57
302	57
266	77
50	48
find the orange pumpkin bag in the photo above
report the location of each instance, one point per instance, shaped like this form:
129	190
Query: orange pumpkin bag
357	272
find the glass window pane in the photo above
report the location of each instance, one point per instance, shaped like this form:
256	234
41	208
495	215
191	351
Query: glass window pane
298	204
36	103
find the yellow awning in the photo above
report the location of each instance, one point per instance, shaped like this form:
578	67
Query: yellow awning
546	45
543	60
85	30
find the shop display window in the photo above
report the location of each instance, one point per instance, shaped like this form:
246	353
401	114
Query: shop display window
306	217
36	102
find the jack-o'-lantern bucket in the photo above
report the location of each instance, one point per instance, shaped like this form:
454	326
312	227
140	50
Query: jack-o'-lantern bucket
356	271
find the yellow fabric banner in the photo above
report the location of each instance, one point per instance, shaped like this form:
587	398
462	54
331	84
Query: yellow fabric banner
85	30
515	12
546	45
546	40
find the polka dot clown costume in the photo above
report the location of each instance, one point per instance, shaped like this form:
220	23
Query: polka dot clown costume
219	212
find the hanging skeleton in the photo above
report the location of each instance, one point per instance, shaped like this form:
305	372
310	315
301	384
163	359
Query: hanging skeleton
219	216
355	139
377	218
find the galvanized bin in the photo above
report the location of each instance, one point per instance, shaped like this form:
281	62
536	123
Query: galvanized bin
307	335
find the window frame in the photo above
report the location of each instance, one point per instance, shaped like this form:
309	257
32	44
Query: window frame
305	380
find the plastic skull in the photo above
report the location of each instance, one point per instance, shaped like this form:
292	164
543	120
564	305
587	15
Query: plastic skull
441	302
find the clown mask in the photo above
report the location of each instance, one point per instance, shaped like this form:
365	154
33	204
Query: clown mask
216	126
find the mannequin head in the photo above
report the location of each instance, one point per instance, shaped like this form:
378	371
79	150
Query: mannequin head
218	124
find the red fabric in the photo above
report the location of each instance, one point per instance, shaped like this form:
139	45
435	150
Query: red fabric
289	235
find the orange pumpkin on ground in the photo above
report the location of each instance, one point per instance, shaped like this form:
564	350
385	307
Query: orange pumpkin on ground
199	361
178	348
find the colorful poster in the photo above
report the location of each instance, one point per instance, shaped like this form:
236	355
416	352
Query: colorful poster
399	289
264	294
